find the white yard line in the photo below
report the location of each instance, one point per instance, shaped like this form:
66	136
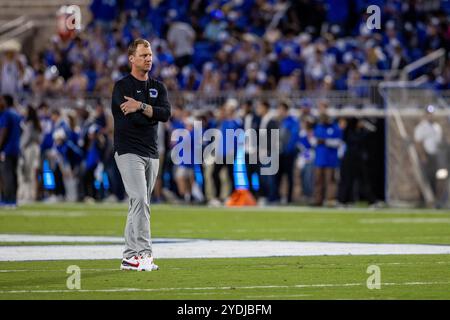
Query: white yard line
405	220
297	286
58	271
73	239
200	248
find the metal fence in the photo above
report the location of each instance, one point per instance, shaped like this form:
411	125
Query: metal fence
366	99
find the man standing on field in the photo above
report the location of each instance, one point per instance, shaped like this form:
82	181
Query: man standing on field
138	104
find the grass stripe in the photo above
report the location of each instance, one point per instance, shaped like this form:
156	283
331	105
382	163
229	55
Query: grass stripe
299	286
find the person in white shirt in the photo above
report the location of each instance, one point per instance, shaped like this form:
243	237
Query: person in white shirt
428	138
181	38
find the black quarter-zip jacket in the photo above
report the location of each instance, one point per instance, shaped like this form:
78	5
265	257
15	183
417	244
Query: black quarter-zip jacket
136	133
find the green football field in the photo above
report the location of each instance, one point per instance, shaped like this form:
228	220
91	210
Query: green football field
403	276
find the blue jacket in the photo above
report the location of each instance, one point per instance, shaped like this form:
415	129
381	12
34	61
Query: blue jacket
305	146
71	153
189	144
289	135
10	120
327	153
228	146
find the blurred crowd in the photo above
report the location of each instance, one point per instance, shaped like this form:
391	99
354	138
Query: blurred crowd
246	45
321	160
50	154
55	154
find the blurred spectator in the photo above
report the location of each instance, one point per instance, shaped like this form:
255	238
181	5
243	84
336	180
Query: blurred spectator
225	149
9	149
30	157
59	122
327	139
210	79
68	157
306	160
268	123
354	165
241	46
162	149
428	138
215	30
77	83
11	70
181	38
251	121
289	137
184	172
279	37
398	59
290	83
91	170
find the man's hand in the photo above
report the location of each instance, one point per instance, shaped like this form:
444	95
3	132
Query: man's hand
130	105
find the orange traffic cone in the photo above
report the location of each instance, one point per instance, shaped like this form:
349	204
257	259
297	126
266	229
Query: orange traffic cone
240	198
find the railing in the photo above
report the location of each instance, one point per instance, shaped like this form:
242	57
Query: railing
438	55
12	24
357	97
15	28
342	103
361	95
16	32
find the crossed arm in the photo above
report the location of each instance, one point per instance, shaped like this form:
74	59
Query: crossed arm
131	108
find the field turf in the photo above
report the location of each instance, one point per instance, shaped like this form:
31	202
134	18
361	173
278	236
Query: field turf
324	277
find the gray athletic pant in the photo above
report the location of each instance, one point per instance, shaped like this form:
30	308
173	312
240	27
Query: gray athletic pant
139	177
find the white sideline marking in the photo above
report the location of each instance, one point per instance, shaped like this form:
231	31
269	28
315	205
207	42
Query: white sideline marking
296	286
53	238
405	220
44	270
199	248
81	239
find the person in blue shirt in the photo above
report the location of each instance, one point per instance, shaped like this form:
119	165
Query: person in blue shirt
289	136
50	123
10	132
327	140
226	152
92	165
184	172
176	122
68	157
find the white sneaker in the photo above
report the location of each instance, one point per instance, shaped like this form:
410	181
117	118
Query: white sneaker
262	202
132	263
214	203
146	263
